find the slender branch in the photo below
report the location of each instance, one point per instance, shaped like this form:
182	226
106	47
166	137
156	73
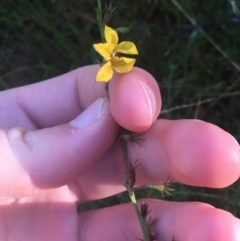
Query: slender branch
234	7
211	40
184	106
100	20
129	169
101	29
129	186
144	225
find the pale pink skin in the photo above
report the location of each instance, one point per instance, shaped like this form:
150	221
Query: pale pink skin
47	164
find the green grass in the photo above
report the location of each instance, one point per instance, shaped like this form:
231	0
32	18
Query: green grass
42	39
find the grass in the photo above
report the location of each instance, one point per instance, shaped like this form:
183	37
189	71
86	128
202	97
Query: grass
42	39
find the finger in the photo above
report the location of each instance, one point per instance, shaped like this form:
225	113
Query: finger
135	100
53	157
62	98
191	152
187	151
48	220
183	221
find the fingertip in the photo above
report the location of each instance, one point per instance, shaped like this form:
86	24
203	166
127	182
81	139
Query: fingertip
202	154
216	222
135	100
205	222
193	221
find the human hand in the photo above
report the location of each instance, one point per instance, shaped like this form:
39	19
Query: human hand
52	161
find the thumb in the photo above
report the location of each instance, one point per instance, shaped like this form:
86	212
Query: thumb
55	156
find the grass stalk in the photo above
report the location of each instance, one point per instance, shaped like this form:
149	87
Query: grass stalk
208	37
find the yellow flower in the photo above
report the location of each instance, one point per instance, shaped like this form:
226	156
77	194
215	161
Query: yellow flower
109	52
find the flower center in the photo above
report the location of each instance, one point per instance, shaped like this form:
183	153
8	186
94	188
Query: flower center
115	54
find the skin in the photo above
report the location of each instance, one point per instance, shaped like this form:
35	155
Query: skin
48	163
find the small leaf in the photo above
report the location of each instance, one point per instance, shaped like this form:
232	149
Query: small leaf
124	29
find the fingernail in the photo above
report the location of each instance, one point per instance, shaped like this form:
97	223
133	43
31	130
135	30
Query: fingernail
91	114
150	97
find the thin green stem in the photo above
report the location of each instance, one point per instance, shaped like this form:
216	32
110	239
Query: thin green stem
124	148
143	223
100	20
211	40
130	171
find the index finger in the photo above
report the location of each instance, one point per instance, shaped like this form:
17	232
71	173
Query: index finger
135	99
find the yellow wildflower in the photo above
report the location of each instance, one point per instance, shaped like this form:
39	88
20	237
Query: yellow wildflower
109	52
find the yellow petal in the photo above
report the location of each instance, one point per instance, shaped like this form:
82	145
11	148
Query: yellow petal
105	73
122	65
105	50
111	35
126	47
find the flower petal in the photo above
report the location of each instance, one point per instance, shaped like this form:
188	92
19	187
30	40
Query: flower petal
111	35
105	50
105	73
126	47
122	65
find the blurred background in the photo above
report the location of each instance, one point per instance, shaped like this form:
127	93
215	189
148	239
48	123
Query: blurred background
191	48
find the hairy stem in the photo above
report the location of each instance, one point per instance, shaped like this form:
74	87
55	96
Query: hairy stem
143	223
130	170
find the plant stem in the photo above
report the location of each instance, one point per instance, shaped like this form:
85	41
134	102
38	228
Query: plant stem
130	171
101	28
211	40
143	223
100	20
